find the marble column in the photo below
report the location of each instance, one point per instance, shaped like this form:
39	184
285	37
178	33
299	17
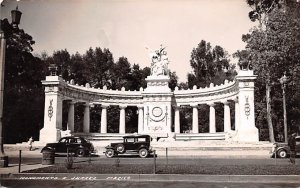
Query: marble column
71	116
237	114
177	119
86	118
195	118
122	119
103	126
212	118
227	123
141	119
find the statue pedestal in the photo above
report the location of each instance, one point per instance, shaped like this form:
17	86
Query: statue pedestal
157	106
157	84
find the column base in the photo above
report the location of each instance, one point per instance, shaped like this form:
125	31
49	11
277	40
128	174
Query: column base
49	135
3	161
248	135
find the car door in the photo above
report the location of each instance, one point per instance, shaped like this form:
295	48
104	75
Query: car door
62	145
129	144
297	148
72	145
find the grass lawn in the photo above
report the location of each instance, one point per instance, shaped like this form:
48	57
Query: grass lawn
173	169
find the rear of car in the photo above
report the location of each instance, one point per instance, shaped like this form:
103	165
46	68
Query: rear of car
282	150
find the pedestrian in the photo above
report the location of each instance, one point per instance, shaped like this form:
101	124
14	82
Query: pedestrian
292	145
30	143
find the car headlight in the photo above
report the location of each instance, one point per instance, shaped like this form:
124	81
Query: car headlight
274	148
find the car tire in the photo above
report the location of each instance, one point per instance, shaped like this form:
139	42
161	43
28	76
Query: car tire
281	153
80	152
120	148
143	153
110	153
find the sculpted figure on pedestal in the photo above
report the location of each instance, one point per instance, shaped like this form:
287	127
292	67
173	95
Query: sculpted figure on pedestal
159	62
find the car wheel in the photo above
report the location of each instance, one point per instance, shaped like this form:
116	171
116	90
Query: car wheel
281	153
80	152
143	153
109	153
120	148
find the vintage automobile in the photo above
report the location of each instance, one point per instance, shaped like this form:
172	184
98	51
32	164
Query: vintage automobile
78	145
282	150
132	144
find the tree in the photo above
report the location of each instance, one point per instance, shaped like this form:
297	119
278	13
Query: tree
270	46
120	74
97	70
210	65
23	91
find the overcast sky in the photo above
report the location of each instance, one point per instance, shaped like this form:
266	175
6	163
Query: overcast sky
126	27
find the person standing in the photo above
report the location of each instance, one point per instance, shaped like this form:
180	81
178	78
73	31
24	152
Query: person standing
30	143
292	145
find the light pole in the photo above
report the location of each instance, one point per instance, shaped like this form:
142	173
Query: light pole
16	17
283	81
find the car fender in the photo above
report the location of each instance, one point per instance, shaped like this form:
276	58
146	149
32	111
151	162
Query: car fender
143	146
109	147
287	149
47	148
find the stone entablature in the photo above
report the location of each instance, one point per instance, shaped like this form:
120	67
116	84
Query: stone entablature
212	94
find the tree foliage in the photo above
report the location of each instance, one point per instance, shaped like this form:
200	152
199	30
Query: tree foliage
23	92
210	65
273	50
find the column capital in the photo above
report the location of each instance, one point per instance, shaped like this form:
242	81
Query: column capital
212	104
236	99
225	102
140	106
123	106
176	107
72	102
194	105
104	105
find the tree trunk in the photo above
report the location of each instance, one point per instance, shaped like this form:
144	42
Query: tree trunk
269	115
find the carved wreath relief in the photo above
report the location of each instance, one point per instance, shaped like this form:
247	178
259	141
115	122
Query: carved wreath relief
50	110
247	107
155	117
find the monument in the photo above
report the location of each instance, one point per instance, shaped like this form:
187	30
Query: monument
155	104
157	97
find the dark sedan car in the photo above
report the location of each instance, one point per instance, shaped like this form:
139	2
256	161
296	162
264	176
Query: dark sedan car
131	144
78	145
282	150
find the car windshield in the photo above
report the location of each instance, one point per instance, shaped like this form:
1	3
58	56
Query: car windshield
129	140
63	140
141	139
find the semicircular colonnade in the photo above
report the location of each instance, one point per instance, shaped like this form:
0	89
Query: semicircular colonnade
155	105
